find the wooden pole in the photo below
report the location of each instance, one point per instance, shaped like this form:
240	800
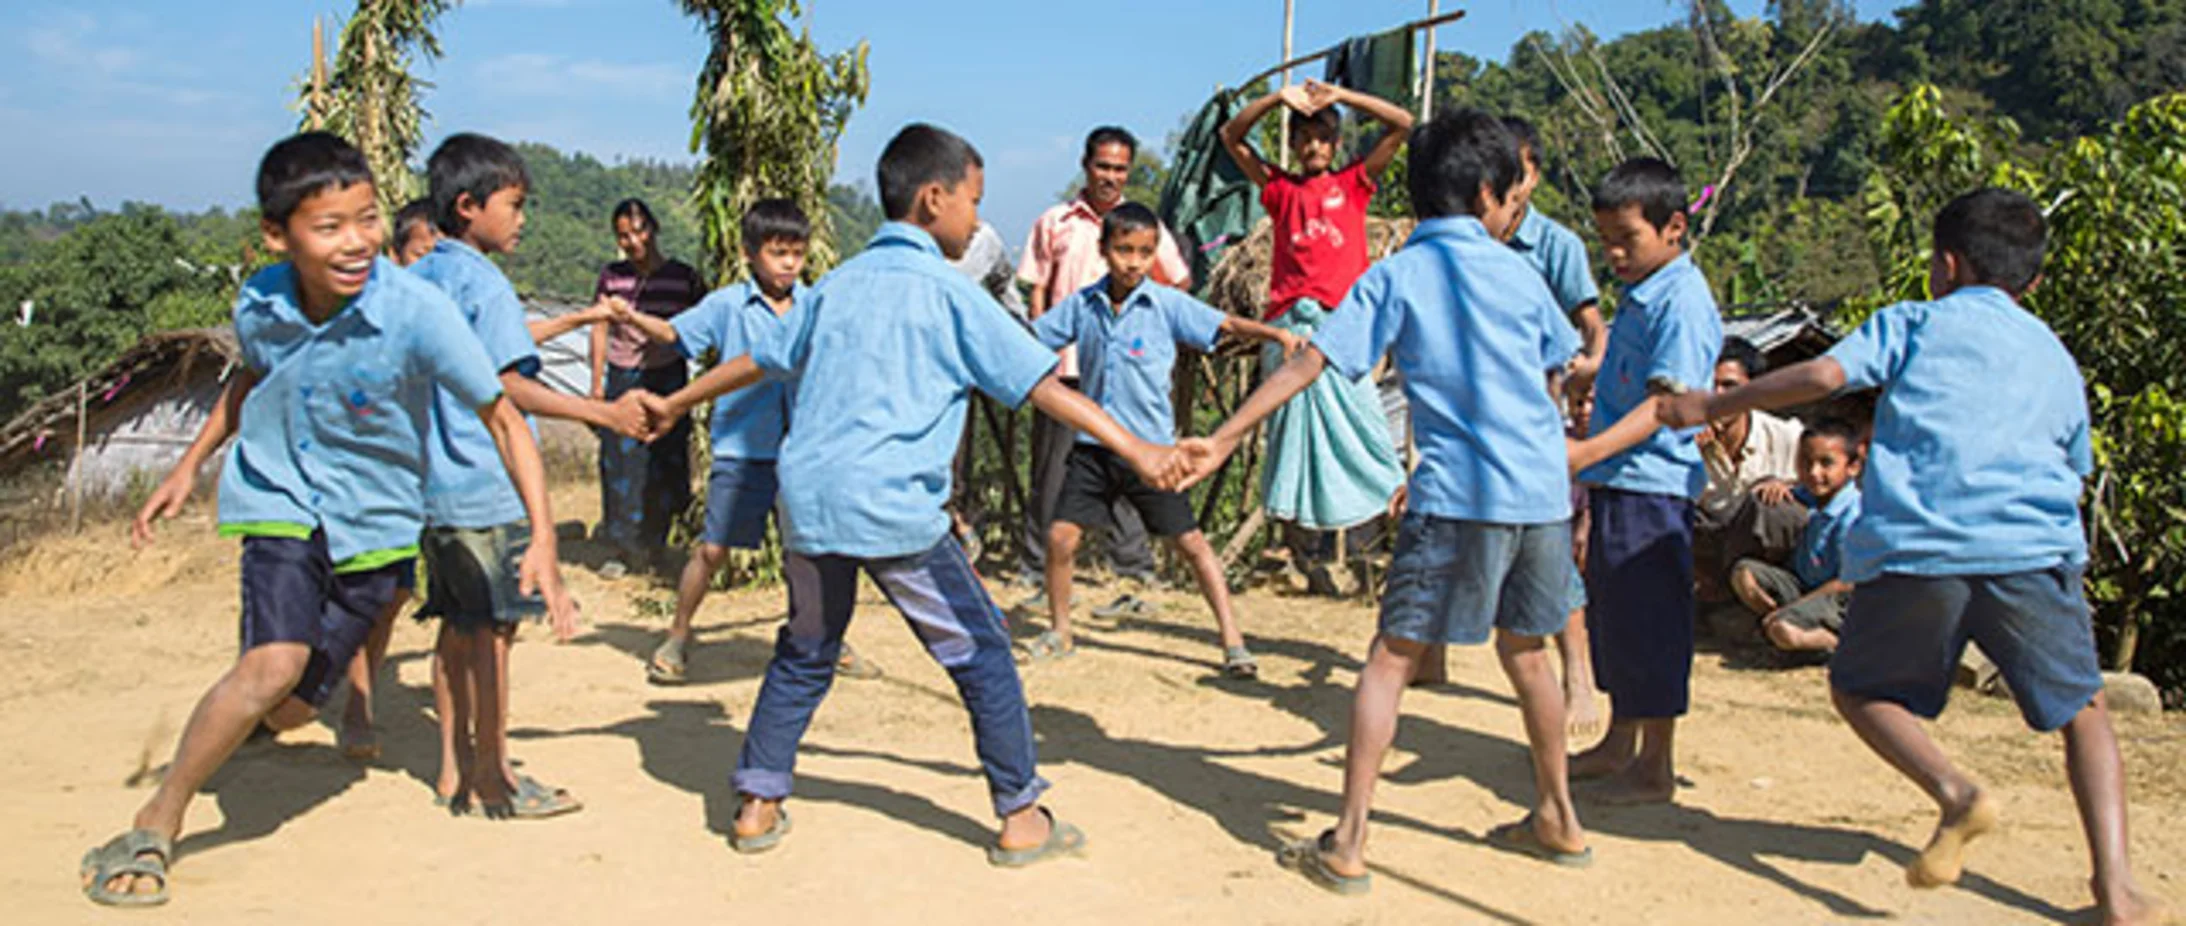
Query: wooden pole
1415	25
75	466
1427	67
317	116
1283	143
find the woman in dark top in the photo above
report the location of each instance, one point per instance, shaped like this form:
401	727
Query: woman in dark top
643	486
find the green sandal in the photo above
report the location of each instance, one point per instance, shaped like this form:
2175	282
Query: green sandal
669	663
533	801
1520	837
140	853
1049	647
1239	663
753	845
1309	857
1061	838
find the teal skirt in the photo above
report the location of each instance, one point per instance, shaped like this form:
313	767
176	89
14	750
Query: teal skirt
1330	460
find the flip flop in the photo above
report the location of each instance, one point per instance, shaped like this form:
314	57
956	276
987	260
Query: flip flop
1125	605
139	853
753	845
669	663
365	748
852	665
1061	838
533	801
1521	838
1239	663
1049	647
1305	857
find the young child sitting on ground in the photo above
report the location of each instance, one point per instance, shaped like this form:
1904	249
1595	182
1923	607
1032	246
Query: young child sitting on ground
331	409
1126	328
1969	529
1485	542
1802	608
884	355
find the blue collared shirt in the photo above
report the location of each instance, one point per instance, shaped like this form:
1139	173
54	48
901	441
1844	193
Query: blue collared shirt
1666	325
747	424
1981	440
1124	357
333	435
1475	333
1559	256
466	484
884	354
1820	556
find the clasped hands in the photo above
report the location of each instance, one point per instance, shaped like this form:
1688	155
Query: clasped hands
1180	467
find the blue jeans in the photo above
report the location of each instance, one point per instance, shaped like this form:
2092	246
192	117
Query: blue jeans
644	487
940	596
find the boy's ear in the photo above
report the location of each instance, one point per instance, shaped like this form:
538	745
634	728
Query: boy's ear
927	203
275	235
468	207
1674	230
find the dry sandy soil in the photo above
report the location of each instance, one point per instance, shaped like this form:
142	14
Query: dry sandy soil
1184	783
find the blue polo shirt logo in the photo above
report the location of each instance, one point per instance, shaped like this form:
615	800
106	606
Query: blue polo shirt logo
1138	347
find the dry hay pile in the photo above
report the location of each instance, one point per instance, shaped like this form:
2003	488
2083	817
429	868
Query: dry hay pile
1238	284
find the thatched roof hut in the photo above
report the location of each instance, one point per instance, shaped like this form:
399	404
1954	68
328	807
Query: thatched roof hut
1238	284
141	410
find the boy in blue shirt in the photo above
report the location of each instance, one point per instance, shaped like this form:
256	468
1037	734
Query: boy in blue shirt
1968	531
1642	481
884	355
342	354
1126	328
1802	608
1485	541
474	525
747	425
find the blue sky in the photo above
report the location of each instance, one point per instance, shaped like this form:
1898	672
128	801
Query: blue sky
172	102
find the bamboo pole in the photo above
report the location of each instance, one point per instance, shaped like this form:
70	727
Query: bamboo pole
317	116
1427	67
1283	144
75	466
1415	25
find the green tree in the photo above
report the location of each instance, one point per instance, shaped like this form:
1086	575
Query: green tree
769	112
371	97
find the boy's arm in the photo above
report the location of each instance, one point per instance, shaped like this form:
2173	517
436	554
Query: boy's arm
1594	341
547	329
1798	384
739	372
1240	125
1160	466
598	361
538	573
167	499
1395	117
657	329
1204	455
1237	326
624	416
1627	433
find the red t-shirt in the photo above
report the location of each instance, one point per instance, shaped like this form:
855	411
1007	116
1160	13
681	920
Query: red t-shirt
1320	235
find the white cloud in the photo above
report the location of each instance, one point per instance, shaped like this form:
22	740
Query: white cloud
533	74
71	43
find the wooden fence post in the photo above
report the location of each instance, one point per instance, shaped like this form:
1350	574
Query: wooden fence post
75	466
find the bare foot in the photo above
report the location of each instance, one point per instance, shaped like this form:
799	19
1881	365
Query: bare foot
756	818
1945	857
2138	909
1582	712
1602	761
1634	786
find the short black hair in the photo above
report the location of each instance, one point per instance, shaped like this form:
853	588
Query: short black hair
470	163
636	211
1529	137
1452	155
304	165
1326	118
1127	218
1838	428
1109	135
1999	234
919	155
1652	184
412	214
774	220
1742	352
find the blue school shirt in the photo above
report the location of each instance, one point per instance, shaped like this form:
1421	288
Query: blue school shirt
748	423
1557	254
1981	440
333	435
1666	325
466	484
1820	556
1475	332
1124	358
884	354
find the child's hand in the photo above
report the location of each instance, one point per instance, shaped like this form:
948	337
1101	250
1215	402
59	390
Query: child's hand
626	416
1159	466
1399	501
1579	379
660	412
1772	491
1295	97
1201	456
1320	96
1292	343
538	575
166	502
609	309
1683	410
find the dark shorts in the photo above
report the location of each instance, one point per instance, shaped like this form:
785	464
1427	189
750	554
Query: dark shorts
473	576
405	574
1903	636
1452	581
1639	592
1095	477
291	594
739	496
1823	612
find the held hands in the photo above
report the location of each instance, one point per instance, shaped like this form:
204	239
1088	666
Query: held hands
661	413
608	309
538	575
1202	456
1311	97
166	502
1291	342
627	416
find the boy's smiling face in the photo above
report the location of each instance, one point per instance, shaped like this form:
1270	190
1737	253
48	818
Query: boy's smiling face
1634	246
1826	465
496	225
1130	256
331	240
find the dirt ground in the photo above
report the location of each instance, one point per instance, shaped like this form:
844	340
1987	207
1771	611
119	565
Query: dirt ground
1184	783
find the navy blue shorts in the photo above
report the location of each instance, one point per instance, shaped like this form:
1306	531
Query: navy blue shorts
405	574
739	496
1903	636
1452	581
1639	592
291	594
